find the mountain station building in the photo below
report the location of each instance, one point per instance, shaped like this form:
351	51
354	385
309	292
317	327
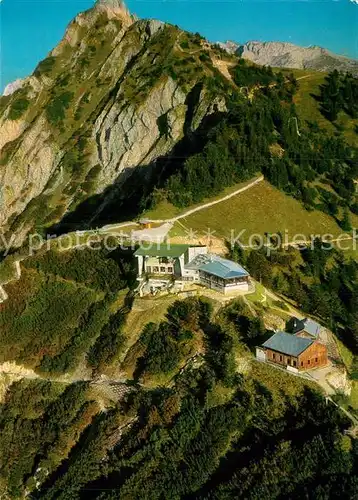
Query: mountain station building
164	264
293	352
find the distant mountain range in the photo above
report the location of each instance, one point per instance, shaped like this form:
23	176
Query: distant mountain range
288	55
275	54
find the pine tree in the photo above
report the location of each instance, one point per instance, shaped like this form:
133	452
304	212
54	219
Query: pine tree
345	222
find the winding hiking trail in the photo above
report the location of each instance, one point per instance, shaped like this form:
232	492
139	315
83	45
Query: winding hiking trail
204	206
212	203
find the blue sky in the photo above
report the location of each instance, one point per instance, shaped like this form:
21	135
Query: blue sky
30	28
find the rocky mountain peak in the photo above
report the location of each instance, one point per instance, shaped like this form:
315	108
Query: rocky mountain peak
113	85
113	6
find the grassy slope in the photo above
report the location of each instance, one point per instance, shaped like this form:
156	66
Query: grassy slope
308	106
165	209
263	208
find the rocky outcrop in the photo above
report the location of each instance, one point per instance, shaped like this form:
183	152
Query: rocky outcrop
13	86
288	55
10	372
339	380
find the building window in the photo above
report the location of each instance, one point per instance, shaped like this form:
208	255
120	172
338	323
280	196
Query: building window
309	362
316	360
162	269
294	363
155	269
170	269
280	358
301	363
288	361
273	355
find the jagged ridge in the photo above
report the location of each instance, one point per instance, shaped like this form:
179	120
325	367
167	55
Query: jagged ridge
282	54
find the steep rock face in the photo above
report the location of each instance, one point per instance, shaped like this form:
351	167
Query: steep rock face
33	163
288	55
107	100
129	136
